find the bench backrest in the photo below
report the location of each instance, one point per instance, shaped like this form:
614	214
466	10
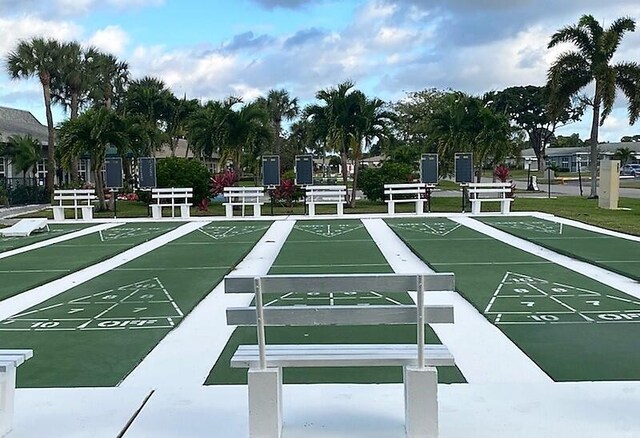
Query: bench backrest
172	194
244	194
326	193
500	189
74	197
262	316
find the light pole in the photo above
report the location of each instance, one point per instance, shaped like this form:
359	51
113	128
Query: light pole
527	162
579	163
547	162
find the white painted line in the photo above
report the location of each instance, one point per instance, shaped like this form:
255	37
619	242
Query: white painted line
25	300
482	352
616	281
58	239
186	355
587	227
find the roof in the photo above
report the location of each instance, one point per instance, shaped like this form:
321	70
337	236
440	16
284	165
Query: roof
20	122
608	148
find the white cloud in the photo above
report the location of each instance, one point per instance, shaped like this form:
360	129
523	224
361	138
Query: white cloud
111	39
28	27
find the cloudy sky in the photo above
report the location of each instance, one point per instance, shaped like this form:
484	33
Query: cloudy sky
210	49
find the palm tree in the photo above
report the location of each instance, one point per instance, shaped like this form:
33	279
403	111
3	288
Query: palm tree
280	107
591	63
624	154
207	129
111	78
24	152
249	135
91	133
39	57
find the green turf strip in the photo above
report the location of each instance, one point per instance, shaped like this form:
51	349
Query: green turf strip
34	268
96	333
316	247
9	243
573	327
612	253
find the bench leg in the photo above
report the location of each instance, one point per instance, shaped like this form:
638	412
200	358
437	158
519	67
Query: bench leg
475	206
265	403
185	211
228	210
340	209
58	213
87	213
257	210
391	207
156	211
420	206
7	395
421	402
312	209
504	206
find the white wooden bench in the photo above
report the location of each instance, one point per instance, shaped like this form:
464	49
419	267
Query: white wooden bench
315	195
9	361
266	361
76	199
407	192
490	192
243	196
171	197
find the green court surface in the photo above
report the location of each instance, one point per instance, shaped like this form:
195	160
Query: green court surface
609	252
30	269
573	327
324	247
9	243
96	333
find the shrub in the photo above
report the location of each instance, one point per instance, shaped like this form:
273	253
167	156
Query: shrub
372	180
501	172
219	181
183	172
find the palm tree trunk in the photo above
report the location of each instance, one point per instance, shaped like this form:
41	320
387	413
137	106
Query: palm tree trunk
74	160
102	205
51	165
595	123
343	159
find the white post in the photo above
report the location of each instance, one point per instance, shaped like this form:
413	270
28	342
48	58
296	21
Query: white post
257	286
420	319
7	394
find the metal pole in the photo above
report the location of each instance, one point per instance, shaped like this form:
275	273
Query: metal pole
529	184
549	180
257	287
421	337
579	173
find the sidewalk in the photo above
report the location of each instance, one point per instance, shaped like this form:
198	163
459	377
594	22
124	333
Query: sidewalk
10	212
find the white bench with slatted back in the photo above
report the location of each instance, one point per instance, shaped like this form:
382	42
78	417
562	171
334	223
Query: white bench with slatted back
244	196
75	199
171	197
490	192
9	361
332	195
265	361
407	192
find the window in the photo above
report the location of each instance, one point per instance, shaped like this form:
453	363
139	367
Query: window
3	168
41	171
82	169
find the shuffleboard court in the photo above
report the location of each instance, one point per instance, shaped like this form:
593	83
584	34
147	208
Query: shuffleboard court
9	243
609	252
329	247
96	333
31	269
574	328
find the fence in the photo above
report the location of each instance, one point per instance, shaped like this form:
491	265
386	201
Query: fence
22	191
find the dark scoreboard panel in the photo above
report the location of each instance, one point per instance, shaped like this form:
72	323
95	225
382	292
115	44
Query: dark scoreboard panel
304	170
270	170
147	172
429	169
464	168
113	172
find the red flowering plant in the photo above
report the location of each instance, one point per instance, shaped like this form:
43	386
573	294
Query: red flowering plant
502	172
286	192
219	181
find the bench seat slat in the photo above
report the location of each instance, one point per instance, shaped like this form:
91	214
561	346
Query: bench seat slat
340	355
338	315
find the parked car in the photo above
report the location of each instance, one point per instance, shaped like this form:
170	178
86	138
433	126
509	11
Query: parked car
631	170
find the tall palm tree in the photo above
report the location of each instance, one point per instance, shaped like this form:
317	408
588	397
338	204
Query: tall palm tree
111	78
24	152
207	129
591	63
280	106
91	133
39	57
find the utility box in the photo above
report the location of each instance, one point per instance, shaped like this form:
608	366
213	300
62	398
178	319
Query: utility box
609	187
